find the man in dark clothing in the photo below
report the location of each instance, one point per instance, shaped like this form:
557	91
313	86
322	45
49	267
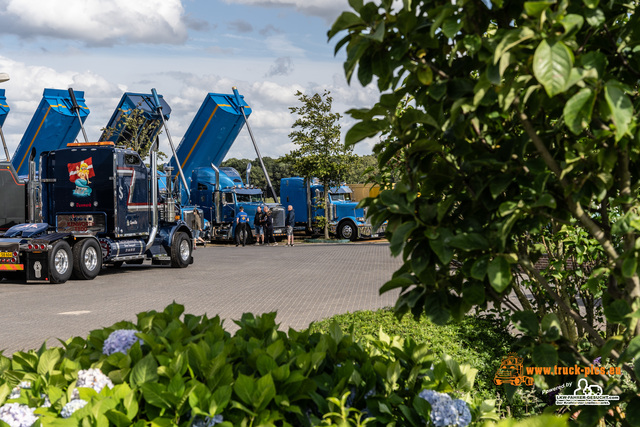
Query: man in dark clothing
258	223
242	229
269	228
289	222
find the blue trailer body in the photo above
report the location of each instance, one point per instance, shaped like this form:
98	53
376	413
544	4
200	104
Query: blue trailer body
211	134
4	107
116	131
346	220
53	126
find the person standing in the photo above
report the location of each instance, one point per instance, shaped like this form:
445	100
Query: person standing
289	222
258	224
269	227
242	221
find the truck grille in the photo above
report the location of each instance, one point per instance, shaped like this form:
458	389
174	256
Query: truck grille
277	214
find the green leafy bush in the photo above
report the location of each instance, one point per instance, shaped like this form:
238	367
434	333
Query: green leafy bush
189	371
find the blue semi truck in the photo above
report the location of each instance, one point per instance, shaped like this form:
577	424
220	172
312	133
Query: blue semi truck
91	204
218	192
346	220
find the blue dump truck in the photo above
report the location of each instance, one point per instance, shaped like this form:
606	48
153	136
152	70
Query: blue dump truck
346	221
219	192
92	204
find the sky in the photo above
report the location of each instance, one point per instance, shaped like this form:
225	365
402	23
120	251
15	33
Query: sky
268	49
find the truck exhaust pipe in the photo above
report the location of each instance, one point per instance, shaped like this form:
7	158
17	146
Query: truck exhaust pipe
32	187
154	194
216	194
156	100
248	173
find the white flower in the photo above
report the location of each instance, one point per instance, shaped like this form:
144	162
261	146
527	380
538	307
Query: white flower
72	407
91	378
121	341
446	411
15	392
199	421
17	415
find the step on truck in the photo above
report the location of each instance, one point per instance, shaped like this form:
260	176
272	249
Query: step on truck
346	220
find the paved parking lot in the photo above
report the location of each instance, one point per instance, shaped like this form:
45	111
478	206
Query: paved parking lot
303	283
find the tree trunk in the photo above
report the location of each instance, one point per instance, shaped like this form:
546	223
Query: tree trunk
326	211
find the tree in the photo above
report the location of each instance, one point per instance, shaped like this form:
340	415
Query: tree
135	131
522	144
320	152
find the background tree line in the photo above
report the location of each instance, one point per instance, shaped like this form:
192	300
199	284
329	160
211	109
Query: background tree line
357	171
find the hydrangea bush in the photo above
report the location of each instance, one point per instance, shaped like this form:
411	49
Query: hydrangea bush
191	372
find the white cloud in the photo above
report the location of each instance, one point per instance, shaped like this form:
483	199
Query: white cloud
96	22
328	10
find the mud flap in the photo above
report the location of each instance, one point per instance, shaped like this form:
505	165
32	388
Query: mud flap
37	267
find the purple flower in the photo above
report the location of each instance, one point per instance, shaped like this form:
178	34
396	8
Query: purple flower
120	341
446	411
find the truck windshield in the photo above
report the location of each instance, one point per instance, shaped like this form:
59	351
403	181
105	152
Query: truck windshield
343	197
248	198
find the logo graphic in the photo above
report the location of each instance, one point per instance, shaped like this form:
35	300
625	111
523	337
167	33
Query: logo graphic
79	174
511	371
585	394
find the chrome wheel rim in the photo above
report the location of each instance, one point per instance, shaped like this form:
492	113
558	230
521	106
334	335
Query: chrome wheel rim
90	258
184	250
61	261
347	231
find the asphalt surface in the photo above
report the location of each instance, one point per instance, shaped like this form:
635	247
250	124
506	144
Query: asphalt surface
304	283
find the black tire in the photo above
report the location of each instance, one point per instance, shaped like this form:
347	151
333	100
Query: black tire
87	259
60	262
348	230
180	250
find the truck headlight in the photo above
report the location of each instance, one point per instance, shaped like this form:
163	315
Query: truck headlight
360	219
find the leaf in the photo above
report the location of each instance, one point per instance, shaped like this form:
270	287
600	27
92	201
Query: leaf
526	321
577	111
117	418
551	327
152	393
617	311
629	266
620	106
552	65
265	391
499	272
146	370
243	387
451	26
365	129
510	39
399	237
479	268
345	21
469	241
48	361
545	355
535	8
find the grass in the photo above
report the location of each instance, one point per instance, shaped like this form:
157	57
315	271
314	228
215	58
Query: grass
481	343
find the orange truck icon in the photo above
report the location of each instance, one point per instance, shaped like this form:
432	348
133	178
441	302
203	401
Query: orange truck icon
511	371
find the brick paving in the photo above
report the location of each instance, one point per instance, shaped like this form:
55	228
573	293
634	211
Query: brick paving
303	283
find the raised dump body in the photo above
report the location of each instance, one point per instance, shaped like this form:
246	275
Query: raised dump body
4	107
53	126
211	134
117	131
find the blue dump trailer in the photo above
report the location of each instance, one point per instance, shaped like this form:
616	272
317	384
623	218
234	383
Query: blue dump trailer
204	146
53	126
346	220
150	124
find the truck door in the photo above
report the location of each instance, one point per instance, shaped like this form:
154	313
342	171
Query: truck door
132	195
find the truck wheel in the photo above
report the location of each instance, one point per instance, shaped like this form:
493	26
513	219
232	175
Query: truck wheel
87	259
60	262
348	230
180	250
